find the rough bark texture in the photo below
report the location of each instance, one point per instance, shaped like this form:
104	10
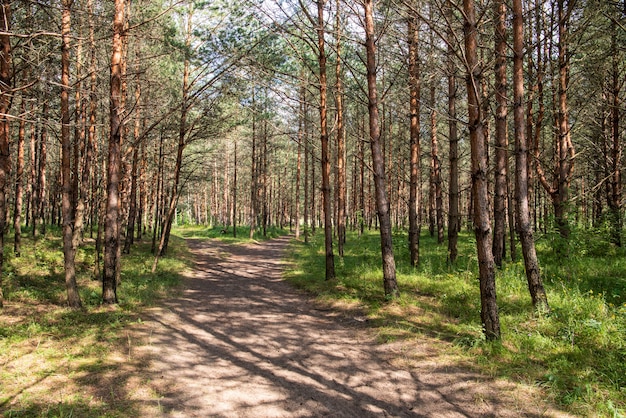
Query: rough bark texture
6	75
525	229
19	186
328	232
479	170
454	219
69	249
414	109
382	203
341	143
299	163
111	225
615	201
501	139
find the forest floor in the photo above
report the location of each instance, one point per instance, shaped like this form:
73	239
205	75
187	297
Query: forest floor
240	342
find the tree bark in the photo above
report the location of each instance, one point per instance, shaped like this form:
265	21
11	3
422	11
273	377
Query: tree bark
454	218
382	203
414	109
111	226
341	143
525	229
69	249
19	186
501	140
6	77
328	232
479	169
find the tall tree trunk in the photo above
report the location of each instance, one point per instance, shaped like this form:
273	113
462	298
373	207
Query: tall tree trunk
454	218
234	206
479	170
382	204
501	140
69	249
307	158
6	76
19	184
299	161
111	225
615	201
435	174
524	226
414	109
341	142
328	232
254	171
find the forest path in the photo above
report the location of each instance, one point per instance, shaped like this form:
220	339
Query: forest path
240	342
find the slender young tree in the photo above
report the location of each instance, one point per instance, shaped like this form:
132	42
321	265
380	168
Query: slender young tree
454	218
501	140
6	77
378	164
111	224
479	171
414	109
19	184
341	139
524	225
328	232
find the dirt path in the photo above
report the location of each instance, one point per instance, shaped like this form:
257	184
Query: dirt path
240	342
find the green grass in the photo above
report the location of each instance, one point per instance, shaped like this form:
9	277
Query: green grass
58	362
577	354
226	234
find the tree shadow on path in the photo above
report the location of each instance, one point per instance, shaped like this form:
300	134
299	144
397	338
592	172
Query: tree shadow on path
240	342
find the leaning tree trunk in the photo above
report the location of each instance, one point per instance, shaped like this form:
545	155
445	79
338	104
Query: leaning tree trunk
382	203
524	226
69	249
111	224
328	232
414	109
479	171
6	75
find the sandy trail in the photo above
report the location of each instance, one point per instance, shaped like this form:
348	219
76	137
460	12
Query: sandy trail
240	342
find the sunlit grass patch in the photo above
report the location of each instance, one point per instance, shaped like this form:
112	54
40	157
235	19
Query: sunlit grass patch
54	357
577	354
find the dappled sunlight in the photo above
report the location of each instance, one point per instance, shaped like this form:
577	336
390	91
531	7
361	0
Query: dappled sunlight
241	342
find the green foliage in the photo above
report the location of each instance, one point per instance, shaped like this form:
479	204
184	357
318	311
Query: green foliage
226	233
577	353
48	341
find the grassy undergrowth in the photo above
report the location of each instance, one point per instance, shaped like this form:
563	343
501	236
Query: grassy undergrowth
577	354
226	234
58	362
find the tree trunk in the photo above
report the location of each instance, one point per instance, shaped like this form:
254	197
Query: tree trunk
501	140
111	225
6	76
19	187
454	218
479	170
341	143
382	204
615	201
299	161
414	109
525	229
328	232
69	249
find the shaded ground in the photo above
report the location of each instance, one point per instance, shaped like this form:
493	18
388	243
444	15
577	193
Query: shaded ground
240	342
